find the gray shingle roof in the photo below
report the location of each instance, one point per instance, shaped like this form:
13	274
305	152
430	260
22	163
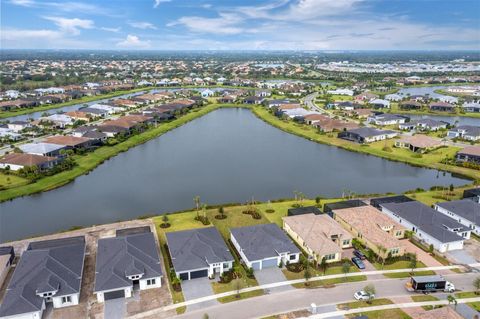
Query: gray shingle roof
54	265
118	257
197	248
465	208
263	241
369	132
426	219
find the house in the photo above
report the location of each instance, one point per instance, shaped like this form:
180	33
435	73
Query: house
469	154
80	116
366	135
376	202
410	105
44	149
374	229
315	118
472	194
330	207
18	126
108	108
320	236
471	107
341	92
366	96
263	93
393	97
264	246
442	107
94	112
70	142
428	225
465	211
59	120
418	143
207	93
49	271
198	253
331	125
253	100
386	119
7	256
303	210
8	134
379	103
128	261
465	132
347	105
424	125
16	161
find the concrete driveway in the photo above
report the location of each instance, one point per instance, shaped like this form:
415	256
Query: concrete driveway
461	256
348	253
197	288
115	308
270	276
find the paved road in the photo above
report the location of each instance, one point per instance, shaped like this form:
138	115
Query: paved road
287	301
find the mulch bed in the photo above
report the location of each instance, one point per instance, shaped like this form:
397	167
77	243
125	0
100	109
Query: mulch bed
295	267
220	217
165	225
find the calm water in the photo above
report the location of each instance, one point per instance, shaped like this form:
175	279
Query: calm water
430	90
226	156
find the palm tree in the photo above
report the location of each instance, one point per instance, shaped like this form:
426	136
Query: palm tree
346	268
196	200
323	265
413	262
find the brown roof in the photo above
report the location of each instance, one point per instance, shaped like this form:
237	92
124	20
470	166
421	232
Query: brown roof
372	224
66	140
315	117
289	106
127	121
442	104
471	150
421	141
330	125
441	313
25	159
316	231
78	114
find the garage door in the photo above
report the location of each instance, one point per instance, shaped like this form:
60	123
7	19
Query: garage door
114	294
256	265
199	274
184	276
267	263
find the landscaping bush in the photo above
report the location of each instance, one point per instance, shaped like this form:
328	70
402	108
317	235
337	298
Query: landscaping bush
203	219
227	277
165	225
270	210
297	267
387	149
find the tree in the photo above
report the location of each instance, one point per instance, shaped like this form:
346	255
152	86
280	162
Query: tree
413	262
370	290
165	218
307	274
221	211
452	299
323	265
476	285
196	200
237	286
430	249
346	268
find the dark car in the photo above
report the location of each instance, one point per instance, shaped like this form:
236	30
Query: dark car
359	254
358	262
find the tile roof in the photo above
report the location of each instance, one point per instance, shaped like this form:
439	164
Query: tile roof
40	148
317	232
421	141
66	140
25	159
470	150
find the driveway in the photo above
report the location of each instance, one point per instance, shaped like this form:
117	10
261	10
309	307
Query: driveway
197	288
270	276
348	253
115	308
461	256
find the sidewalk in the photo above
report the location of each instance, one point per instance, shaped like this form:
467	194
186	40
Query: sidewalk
284	283
392	306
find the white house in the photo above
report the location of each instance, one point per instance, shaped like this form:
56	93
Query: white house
207	93
198	253
341	92
264	246
48	272
132	258
465	211
428	225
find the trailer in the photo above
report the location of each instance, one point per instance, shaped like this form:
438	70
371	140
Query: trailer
427	284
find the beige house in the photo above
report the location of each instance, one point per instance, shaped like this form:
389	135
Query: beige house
319	235
374	229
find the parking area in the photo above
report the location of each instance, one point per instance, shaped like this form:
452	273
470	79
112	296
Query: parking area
198	288
115	308
271	275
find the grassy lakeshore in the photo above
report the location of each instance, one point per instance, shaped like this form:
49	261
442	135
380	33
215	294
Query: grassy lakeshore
430	160
89	161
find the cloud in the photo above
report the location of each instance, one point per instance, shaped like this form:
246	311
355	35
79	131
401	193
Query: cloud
158	2
40	39
72	26
142	25
66	6
224	24
133	42
23	3
111	29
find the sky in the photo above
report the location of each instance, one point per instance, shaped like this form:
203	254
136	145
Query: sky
241	25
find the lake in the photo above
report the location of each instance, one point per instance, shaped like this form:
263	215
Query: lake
226	156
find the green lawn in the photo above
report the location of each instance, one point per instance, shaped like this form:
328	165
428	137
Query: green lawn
243	295
422	298
403	264
469	294
11	181
363	304
383	314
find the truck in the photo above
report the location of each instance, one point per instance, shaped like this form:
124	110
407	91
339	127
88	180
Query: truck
428	284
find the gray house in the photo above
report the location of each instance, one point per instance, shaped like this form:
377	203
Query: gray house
48	272
264	246
127	262
465	211
198	253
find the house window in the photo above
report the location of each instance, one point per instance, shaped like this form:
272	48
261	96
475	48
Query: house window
398	233
330	257
292	257
226	265
67	299
151	282
346	242
394	251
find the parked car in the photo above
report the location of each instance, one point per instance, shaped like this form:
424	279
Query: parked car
362	295
359	254
358	262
